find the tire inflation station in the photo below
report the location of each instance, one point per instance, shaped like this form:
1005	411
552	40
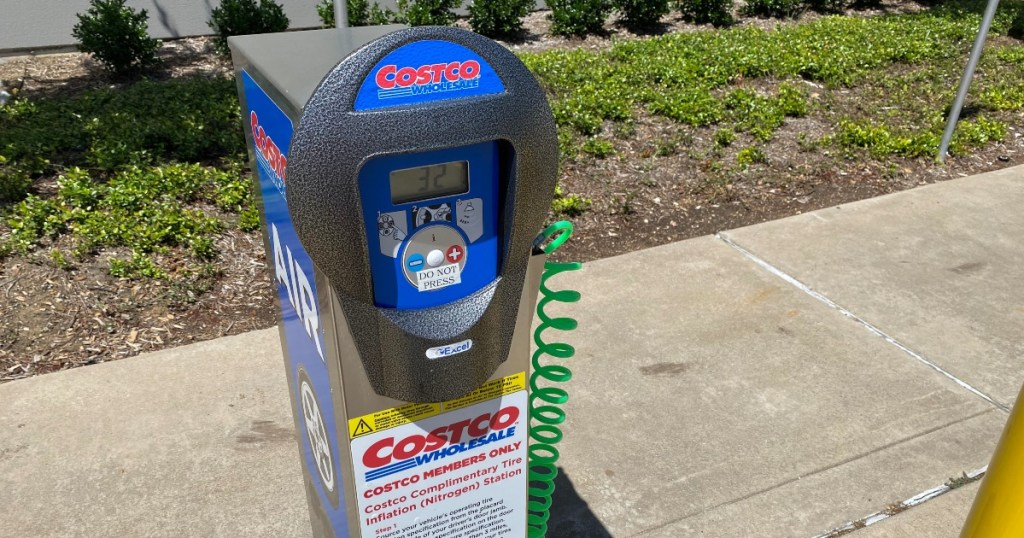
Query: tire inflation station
403	177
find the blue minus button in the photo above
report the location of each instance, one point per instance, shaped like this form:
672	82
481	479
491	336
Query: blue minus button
414	262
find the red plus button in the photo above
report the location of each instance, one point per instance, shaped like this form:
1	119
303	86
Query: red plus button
454	254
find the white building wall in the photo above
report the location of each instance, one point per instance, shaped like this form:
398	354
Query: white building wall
32	24
27	25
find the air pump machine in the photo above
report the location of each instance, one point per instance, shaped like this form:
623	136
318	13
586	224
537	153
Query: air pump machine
403	177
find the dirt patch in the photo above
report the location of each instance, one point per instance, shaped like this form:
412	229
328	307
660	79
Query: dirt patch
73	72
54	318
639	199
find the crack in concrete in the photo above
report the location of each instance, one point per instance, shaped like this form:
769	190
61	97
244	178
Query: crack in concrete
904	505
864	323
820	470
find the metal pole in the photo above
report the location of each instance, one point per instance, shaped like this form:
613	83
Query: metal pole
965	81
998	510
341	13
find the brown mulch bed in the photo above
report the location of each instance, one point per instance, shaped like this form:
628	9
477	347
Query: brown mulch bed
55	319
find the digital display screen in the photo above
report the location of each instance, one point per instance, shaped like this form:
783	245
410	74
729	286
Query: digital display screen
426	182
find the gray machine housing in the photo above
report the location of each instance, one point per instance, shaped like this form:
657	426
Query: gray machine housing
331	143
292	67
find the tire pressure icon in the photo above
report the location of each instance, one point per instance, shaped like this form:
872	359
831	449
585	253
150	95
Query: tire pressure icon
387	228
316	434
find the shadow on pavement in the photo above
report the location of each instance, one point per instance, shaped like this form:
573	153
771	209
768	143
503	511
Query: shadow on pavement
570	515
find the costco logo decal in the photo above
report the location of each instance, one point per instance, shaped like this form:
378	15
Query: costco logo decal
389	455
394	81
268	153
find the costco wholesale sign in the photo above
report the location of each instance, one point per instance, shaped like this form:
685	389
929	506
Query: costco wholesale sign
461	474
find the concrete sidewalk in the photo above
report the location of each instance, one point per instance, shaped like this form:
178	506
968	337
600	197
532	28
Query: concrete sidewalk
786	379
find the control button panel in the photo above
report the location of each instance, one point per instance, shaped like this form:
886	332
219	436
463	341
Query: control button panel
434	215
444	250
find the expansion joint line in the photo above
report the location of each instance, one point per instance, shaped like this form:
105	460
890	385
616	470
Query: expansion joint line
873	329
898	507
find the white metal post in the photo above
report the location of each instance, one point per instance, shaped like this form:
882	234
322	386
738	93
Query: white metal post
965	81
341	13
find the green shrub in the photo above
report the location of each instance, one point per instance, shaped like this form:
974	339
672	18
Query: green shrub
724	137
716	12
360	13
325	10
249	219
379	15
568	147
570	205
14	182
244	17
828	6
1016	29
751	155
117	36
598	147
139	266
693	106
771	8
1003	97
498	18
976	133
882	141
142	209
681	75
147	122
641	14
761	115
792	100
578	17
60	261
427	12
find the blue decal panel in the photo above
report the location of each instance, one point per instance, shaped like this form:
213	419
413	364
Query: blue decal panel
426	71
453	235
300	312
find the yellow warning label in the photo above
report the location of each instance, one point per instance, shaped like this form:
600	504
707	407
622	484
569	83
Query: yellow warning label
398	416
362	428
389	418
490	390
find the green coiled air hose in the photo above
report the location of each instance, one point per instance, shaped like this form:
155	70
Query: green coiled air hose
546	413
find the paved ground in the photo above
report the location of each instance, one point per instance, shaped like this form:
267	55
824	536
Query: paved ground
785	379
